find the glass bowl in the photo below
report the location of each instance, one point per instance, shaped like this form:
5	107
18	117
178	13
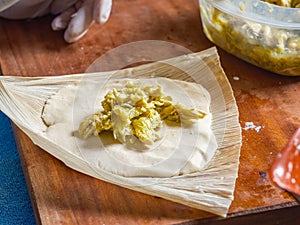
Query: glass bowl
260	33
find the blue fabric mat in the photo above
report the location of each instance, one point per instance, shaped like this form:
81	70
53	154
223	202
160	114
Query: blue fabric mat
15	206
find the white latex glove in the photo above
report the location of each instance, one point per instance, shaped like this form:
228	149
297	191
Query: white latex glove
73	15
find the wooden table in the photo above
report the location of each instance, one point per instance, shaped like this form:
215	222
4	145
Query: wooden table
62	196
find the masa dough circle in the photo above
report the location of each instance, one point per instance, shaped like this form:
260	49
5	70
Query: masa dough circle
181	150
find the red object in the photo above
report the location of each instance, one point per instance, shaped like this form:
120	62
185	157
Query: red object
285	171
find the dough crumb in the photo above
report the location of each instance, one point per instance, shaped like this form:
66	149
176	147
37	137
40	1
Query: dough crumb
251	125
236	78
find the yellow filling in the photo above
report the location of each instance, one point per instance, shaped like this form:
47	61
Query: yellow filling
285	3
274	49
136	111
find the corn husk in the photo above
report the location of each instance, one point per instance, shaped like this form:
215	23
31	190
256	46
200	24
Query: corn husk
22	99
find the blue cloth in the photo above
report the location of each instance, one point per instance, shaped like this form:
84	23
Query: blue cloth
15	206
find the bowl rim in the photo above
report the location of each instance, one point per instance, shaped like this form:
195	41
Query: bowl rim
265	14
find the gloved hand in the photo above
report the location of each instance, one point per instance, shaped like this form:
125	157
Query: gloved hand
73	15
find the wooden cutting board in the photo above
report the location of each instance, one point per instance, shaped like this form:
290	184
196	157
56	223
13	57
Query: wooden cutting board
62	196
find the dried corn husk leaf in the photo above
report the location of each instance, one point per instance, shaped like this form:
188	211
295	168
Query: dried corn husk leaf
211	189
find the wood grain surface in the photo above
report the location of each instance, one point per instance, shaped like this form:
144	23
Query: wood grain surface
62	196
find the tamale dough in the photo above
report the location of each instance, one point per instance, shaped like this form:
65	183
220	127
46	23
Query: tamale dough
181	150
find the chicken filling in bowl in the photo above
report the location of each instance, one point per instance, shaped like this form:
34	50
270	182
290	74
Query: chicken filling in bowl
274	48
285	3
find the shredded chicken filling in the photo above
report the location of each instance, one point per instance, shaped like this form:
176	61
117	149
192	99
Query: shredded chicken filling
137	111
